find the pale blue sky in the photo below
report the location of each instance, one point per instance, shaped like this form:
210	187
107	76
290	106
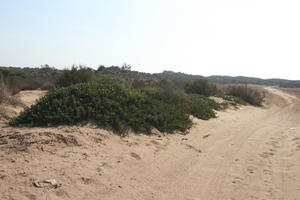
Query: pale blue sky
224	37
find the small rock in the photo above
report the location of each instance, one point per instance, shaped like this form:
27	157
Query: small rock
53	182
46	183
37	184
206	136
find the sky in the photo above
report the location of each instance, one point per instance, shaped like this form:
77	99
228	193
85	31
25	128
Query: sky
216	37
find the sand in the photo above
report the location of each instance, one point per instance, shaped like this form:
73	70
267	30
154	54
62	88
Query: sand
247	153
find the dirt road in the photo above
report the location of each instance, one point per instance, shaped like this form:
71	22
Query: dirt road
250	153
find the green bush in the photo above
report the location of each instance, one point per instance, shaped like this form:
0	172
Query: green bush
202	107
235	100
108	103
201	86
197	105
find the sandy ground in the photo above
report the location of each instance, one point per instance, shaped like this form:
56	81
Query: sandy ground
250	153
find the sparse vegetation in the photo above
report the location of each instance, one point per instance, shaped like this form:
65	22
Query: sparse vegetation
18	79
231	79
3	90
235	100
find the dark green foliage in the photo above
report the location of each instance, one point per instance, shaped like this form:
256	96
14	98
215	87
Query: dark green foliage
201	86
248	94
78	74
197	105
108	103
202	107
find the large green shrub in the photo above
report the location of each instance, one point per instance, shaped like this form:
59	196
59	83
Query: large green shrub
108	103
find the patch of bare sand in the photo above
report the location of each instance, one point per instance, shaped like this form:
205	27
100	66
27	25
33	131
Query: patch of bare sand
16	104
250	153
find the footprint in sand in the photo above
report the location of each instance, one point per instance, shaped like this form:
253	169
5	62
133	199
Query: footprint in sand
251	170
206	136
267	172
237	180
159	146
266	154
86	180
135	155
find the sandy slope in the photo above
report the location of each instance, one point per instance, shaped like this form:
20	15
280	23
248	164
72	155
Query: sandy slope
22	99
251	153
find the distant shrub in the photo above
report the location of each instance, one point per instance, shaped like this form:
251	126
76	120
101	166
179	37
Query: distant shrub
108	103
3	90
75	75
6	96
248	94
235	100
201	86
18	79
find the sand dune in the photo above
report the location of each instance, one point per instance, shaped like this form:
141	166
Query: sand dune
249	153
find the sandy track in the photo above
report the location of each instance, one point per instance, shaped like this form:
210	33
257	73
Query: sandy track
251	153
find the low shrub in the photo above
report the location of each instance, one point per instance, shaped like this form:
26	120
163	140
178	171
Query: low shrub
108	103
248	94
197	105
233	99
202	107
